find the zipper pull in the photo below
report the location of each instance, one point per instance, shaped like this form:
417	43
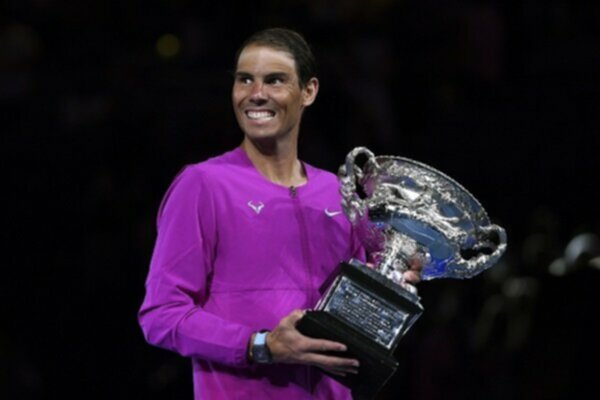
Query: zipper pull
293	191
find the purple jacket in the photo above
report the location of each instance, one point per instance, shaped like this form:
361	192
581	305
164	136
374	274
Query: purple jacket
234	254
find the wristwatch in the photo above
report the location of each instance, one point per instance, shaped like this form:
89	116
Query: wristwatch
259	352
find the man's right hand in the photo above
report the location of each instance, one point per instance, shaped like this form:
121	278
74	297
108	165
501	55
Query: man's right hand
288	345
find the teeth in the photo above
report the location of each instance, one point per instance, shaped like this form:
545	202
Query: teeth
260	114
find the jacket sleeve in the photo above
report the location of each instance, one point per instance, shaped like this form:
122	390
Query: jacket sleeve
172	316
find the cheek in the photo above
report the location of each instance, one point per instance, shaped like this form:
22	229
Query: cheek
235	99
286	100
237	95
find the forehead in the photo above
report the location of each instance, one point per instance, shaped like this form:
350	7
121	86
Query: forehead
257	58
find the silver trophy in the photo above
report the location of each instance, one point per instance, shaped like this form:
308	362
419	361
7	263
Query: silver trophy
404	212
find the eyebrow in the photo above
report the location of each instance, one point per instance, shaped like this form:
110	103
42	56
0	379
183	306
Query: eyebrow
280	75
242	74
272	75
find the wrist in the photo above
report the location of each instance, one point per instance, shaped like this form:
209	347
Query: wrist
258	350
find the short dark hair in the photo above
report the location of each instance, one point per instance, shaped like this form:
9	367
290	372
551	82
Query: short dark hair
289	41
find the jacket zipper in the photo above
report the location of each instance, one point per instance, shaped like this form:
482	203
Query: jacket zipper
305	257
303	239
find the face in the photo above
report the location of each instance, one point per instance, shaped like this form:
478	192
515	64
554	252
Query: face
267	98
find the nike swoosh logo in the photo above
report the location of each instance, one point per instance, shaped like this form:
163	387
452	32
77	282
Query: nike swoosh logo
332	213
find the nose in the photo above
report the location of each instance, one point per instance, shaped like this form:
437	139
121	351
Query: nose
257	92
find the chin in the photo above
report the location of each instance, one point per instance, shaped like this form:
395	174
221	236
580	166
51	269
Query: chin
264	141
262	133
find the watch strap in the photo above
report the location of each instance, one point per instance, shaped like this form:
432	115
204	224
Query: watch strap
259	351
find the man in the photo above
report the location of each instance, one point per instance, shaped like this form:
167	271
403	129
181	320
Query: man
246	241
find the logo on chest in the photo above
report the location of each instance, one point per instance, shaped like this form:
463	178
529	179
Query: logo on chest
332	214
256	206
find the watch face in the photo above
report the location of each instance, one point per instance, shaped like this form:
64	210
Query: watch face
261	354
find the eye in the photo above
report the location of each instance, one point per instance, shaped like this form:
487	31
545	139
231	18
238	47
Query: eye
244	79
275	80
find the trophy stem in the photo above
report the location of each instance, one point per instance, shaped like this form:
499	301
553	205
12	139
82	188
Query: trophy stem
391	262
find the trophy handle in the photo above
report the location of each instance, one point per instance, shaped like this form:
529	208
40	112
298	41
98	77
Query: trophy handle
474	266
349	173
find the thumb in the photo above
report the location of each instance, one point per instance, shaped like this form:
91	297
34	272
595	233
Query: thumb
295	316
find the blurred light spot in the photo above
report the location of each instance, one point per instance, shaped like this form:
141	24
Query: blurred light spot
595	263
168	45
520	287
558	267
581	249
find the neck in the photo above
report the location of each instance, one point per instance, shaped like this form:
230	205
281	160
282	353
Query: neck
276	161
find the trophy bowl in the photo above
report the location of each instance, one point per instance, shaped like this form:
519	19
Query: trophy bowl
404	212
411	212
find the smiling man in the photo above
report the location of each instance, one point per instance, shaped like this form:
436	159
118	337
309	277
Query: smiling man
268	96
246	241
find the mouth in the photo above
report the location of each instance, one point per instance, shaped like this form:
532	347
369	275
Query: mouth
260	115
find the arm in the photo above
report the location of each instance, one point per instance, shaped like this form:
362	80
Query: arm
171	315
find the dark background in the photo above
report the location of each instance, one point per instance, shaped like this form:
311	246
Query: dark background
104	101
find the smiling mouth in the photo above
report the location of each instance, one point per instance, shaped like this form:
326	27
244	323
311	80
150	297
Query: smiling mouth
260	115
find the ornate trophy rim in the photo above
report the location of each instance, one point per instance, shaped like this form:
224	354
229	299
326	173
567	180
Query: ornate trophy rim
436	205
437	172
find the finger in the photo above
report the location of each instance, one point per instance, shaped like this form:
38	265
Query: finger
411	276
340	364
418	261
323	345
294	317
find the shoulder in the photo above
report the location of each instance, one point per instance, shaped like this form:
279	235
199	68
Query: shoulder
194	180
221	166
208	170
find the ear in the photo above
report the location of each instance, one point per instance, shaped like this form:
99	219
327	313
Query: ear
309	93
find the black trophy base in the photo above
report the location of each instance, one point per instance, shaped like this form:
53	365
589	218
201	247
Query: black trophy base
376	367
369	314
